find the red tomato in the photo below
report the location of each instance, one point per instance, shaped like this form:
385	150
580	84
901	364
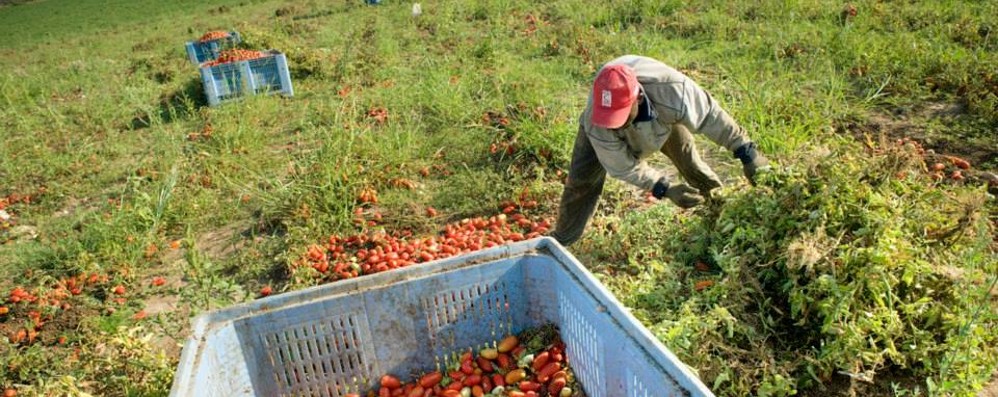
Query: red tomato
529	386
556	385
472	380
518	352
540	360
431	379
703	284
390	382
505	361
484	364
545	373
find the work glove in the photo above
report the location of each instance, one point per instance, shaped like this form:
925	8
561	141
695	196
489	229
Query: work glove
682	194
705	189
753	162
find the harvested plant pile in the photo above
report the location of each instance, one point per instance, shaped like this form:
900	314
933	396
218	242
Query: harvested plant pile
855	265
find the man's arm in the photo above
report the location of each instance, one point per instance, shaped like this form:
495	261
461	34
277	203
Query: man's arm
619	162
702	114
705	116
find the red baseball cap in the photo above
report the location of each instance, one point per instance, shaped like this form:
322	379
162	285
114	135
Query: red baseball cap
614	92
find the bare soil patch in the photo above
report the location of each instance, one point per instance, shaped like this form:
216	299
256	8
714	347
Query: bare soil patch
913	123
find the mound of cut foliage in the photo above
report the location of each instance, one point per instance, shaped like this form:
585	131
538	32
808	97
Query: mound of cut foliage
853	267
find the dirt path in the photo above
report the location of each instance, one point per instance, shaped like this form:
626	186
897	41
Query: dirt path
991	389
922	123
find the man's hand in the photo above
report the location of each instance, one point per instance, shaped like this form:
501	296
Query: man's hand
753	162
682	194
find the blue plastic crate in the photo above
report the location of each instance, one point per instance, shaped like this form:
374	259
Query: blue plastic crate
266	75
203	51
341	337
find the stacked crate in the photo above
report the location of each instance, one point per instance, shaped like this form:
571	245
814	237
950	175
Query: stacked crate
208	47
228	73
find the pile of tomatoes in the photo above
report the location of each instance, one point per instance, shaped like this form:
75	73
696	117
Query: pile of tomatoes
25	313
379	114
235	55
939	170
214	35
343	257
510	369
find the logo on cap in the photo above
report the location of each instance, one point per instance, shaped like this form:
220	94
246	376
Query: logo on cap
607	98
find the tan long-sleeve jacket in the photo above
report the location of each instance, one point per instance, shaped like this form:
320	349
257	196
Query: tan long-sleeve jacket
677	100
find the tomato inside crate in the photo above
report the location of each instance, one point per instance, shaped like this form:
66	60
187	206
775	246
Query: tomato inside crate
531	364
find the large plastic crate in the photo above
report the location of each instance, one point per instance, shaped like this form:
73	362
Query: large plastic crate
266	75
341	337
203	51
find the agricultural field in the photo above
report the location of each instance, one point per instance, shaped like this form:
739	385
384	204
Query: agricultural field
864	264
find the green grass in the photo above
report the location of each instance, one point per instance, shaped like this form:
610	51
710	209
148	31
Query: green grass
54	22
103	121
